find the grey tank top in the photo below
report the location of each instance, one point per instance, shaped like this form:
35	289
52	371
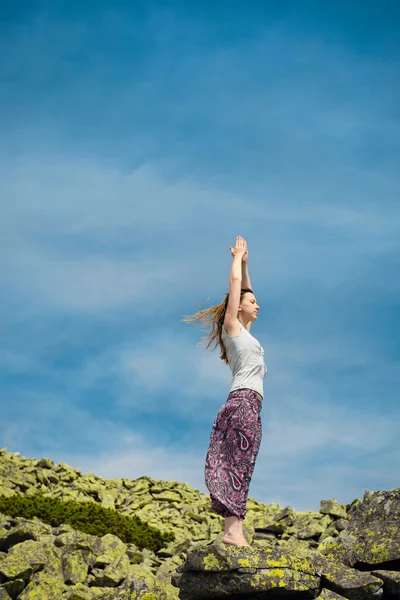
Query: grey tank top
246	360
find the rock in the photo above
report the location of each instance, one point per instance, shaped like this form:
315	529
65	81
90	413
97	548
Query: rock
80	540
345	581
30	530
167	497
218	570
72	561
43	587
312	531
14	588
220	557
375	525
391	581
333	508
113	545
46	476
75	566
38	555
338	549
46	463
4	594
117	570
288	514
329	595
107	498
372	537
14	567
267	525
341	524
113	574
103	560
23	481
80	592
142	588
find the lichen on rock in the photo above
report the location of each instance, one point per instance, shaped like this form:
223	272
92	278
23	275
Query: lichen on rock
325	553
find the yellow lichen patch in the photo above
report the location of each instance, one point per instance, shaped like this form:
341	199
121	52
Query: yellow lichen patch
282	562
277	573
244	562
210	561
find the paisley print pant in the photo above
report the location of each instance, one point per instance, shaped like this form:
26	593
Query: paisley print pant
234	444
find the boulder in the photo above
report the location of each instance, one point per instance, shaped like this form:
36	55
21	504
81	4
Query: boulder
333	508
311	531
15	567
144	588
75	566
107	498
372	537
345	581
79	540
217	570
14	587
375	526
28	530
43	587
80	592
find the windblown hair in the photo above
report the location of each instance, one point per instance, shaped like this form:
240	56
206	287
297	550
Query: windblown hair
215	316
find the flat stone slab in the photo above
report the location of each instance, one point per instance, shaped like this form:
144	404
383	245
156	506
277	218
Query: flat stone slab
220	571
197	585
221	557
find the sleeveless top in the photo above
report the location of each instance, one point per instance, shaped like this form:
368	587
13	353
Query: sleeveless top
246	360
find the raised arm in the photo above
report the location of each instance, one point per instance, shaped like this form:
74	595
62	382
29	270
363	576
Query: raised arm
245	275
231	322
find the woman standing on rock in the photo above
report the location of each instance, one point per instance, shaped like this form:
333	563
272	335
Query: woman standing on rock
236	432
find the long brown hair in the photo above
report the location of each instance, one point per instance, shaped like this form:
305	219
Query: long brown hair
214	316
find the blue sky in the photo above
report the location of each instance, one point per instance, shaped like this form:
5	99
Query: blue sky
137	142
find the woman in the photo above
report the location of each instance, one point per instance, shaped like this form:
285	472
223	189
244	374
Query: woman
236	432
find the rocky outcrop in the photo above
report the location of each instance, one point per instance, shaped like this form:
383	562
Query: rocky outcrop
372	537
339	551
167	505
362	563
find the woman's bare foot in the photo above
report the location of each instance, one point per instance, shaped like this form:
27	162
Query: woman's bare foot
233	533
237	540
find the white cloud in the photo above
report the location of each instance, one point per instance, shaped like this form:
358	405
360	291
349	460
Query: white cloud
81	237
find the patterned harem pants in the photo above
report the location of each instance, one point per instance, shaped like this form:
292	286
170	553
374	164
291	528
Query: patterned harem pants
234	444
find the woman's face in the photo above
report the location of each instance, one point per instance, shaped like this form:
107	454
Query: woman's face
249	307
